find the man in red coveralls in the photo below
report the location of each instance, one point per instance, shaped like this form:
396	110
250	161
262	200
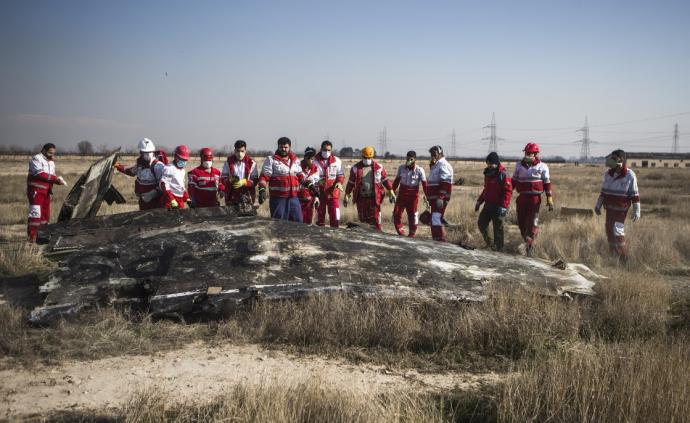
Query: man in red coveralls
39	188
496	199
308	194
366	188
203	182
409	178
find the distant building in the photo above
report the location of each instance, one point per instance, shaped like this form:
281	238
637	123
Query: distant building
658	159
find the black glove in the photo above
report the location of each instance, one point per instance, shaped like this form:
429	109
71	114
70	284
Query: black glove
262	195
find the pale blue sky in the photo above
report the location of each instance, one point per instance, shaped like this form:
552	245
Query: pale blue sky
96	70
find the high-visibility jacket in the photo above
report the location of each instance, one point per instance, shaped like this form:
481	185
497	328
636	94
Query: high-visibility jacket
498	188
380	180
239	169
409	180
330	173
440	184
41	175
203	186
282	175
311	174
619	189
532	180
173	183
148	175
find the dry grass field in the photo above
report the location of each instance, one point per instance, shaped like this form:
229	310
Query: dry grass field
623	355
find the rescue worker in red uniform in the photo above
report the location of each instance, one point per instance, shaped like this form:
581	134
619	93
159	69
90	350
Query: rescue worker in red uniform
365	187
495	196
204	183
173	181
308	193
39	188
440	186
148	171
240	176
618	193
531	178
282	175
331	178
406	183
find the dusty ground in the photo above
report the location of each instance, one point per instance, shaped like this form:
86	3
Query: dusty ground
198	371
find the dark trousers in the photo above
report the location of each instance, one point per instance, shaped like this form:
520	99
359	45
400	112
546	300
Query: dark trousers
489	214
285	208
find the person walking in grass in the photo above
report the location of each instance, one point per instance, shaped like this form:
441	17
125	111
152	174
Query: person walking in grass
495	196
39	189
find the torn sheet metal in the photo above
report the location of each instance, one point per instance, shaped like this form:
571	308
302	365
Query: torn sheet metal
92	187
176	262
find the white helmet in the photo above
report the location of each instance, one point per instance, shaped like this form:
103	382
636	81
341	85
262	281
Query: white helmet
146	146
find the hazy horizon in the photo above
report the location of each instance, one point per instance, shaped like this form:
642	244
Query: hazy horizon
208	73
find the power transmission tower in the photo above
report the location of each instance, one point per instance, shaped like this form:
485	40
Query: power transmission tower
675	140
493	139
383	142
586	141
453	145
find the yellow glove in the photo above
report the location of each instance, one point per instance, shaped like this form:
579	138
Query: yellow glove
346	200
391	196
549	201
338	185
239	183
173	204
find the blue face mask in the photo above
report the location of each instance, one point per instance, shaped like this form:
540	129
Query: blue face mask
181	163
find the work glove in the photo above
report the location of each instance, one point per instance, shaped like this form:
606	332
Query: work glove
477	205
317	202
338	186
174	205
61	181
262	195
148	196
597	207
346	200
636	212
502	212
239	183
426	203
391	196
549	201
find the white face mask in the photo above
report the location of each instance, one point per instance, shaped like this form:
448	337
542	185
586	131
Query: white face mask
147	156
367	162
240	155
207	164
325	154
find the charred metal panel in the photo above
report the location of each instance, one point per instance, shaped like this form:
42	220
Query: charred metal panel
207	260
86	196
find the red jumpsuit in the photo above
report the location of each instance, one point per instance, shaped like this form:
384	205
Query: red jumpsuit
330	173
235	169
173	187
148	177
408	179
618	192
306	195
530	182
39	188
440	186
203	185
366	184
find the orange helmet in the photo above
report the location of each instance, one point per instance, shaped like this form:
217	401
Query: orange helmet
531	148
368	152
182	152
206	154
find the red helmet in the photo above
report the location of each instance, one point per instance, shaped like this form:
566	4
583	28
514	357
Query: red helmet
425	217
206	154
531	148
182	152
